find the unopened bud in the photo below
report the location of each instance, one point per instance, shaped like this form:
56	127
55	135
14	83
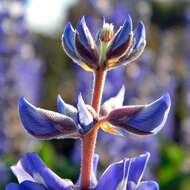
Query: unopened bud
107	32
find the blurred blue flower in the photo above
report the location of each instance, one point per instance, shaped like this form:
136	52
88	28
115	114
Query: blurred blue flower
109	49
127	174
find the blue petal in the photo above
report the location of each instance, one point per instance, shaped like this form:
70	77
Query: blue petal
28	185
68	41
85	118
123	35
139	35
115	175
142	120
153	117
137	168
45	124
84	34
66	109
148	185
12	186
33	165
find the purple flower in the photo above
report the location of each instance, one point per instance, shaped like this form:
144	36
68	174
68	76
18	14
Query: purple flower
110	49
140	119
70	122
33	174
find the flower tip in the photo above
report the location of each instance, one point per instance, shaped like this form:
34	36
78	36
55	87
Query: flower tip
128	22
143	31
167	99
23	103
67	29
147	155
81	22
60	104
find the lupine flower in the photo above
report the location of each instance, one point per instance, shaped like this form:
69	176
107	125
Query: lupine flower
110	49
33	174
72	123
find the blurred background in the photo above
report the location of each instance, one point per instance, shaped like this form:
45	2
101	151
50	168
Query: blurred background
33	64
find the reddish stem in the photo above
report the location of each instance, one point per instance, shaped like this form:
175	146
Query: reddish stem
89	141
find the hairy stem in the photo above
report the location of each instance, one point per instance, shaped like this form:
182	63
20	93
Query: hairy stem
89	141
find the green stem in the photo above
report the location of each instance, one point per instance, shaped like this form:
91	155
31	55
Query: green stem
89	141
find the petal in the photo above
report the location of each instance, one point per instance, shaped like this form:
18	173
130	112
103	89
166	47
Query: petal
139	44
12	186
123	35
114	102
21	174
115	176
85	118
33	165
68	42
84	34
45	124
87	55
148	119
85	46
139	36
28	185
66	109
137	168
148	185
120	44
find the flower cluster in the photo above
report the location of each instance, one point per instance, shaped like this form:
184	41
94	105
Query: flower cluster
83	121
71	122
110	49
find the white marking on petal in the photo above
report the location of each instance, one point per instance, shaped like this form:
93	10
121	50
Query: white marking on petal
20	173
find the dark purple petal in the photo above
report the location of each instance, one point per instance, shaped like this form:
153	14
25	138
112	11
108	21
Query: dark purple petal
68	42
115	175
89	56
147	119
137	168
148	185
114	102
28	185
12	186
85	118
66	109
34	166
45	124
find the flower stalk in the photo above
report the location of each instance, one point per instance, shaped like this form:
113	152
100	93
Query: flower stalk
89	140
